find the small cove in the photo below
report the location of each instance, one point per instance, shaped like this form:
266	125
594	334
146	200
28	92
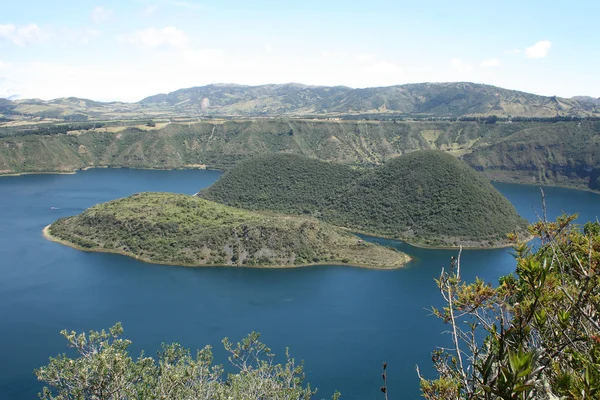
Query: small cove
342	321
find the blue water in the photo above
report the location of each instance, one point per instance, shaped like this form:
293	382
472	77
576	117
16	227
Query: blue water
342	321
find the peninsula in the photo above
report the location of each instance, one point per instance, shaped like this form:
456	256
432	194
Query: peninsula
184	230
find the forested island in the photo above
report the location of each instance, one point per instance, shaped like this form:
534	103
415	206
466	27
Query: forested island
185	230
427	198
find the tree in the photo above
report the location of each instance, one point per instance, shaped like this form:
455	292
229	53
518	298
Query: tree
535	335
105	370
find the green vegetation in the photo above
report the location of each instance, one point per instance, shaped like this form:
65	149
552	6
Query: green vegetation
282	182
534	336
425	197
104	369
430	198
186	230
523	152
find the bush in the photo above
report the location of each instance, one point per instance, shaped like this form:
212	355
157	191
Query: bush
105	370
540	326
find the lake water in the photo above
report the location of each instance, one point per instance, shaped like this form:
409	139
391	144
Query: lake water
342	321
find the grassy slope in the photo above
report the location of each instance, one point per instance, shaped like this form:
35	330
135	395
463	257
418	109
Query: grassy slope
185	230
521	152
425	197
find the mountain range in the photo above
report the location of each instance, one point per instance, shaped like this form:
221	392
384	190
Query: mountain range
419	100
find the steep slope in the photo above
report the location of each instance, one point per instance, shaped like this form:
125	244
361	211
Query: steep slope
282	182
561	153
184	230
565	154
431	198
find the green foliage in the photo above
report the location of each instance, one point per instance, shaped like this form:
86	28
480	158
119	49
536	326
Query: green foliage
429	197
105	370
186	230
540	326
514	152
426	197
282	182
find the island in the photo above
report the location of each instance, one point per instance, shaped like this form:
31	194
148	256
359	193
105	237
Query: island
426	198
184	230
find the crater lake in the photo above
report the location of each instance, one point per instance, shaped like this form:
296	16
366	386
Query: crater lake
343	321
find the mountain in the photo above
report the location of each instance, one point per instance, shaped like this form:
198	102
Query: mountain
432	99
419	100
184	230
425	197
587	99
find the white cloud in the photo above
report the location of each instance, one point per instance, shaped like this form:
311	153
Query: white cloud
150	10
268	48
365	57
190	5
4	65
23	35
102	14
512	52
333	54
538	50
461	66
384	67
203	56
491	62
152	38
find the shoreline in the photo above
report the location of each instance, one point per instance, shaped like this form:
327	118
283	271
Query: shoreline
47	235
422	246
191	167
195	167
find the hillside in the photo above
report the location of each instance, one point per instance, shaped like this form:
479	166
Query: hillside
425	197
433	99
420	100
525	152
430	198
185	230
284	182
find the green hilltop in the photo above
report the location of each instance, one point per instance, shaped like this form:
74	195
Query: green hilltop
287	183
425	197
185	230
428	197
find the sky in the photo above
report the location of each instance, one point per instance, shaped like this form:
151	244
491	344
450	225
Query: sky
128	49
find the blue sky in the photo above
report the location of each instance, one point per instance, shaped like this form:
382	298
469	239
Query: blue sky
126	50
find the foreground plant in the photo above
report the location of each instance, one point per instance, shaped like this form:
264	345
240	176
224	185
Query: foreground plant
534	336
105	370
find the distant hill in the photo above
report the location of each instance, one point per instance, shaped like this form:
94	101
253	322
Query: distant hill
455	99
434	99
425	197
587	99
184	230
